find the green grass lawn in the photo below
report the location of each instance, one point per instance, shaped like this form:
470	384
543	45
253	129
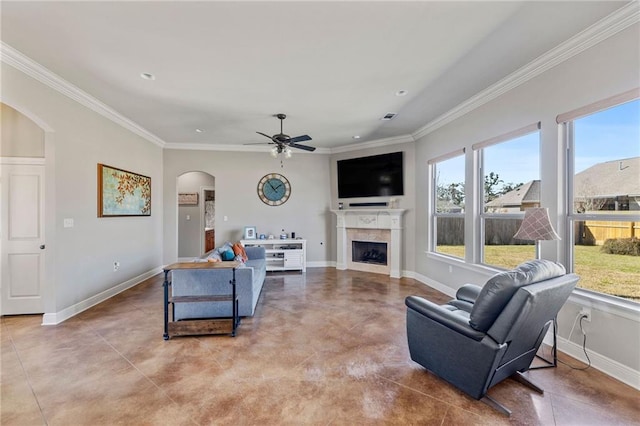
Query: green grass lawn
614	274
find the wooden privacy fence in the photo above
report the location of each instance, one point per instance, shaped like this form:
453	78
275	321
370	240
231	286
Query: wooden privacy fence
595	232
497	232
450	231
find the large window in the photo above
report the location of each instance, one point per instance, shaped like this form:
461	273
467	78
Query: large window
448	201
604	182
510	177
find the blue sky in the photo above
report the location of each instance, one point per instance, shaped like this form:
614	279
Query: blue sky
604	136
612	134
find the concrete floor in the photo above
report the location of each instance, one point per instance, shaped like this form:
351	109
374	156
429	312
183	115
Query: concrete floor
324	348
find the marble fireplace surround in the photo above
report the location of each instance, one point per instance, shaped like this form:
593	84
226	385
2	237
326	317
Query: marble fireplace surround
380	225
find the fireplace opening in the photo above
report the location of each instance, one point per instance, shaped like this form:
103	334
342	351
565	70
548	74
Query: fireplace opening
369	252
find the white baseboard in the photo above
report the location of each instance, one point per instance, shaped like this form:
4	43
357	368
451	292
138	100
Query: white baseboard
608	366
430	283
65	314
321	264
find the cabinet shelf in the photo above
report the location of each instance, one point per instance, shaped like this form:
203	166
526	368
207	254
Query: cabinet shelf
282	255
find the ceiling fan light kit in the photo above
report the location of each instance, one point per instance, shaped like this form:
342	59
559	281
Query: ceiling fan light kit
283	143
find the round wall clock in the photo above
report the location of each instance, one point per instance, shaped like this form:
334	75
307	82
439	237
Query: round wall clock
274	189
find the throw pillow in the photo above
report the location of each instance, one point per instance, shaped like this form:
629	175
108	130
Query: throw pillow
226	246
214	256
238	250
228	255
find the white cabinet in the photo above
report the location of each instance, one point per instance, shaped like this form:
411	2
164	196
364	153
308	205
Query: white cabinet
282	255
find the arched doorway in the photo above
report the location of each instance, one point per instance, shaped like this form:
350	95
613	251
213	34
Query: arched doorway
196	213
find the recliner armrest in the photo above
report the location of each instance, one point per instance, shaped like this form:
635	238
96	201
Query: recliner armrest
468	293
443	316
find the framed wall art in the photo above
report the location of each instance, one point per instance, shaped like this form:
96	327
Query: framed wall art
188	199
122	193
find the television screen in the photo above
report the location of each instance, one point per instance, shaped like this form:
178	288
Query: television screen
374	176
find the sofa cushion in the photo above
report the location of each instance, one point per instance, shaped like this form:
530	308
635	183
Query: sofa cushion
499	289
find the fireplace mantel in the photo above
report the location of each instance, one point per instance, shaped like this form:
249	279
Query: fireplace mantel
390	219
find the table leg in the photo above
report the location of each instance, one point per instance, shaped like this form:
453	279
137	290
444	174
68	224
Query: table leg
235	304
166	305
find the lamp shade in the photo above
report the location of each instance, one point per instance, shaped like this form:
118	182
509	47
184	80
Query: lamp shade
536	226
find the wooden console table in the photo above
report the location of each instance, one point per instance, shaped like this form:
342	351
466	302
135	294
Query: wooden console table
200	326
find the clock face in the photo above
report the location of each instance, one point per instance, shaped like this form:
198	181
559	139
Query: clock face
274	189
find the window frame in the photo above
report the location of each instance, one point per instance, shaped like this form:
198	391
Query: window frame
567	123
433	201
478	149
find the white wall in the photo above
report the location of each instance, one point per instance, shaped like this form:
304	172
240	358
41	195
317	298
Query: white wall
237	174
80	259
607	69
20	136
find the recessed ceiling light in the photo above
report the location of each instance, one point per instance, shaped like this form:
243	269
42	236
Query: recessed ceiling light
199	130
401	93
147	76
356	137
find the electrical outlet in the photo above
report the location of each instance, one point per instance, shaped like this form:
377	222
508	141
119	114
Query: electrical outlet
586	313
116	266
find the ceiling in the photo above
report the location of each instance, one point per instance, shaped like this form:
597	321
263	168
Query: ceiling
333	67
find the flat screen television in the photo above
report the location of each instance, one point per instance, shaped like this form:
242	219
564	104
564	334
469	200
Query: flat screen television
374	176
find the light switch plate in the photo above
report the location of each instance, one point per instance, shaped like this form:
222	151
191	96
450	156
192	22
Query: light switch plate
68	223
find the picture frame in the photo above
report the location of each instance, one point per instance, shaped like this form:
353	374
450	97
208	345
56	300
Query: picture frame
122	193
188	199
249	232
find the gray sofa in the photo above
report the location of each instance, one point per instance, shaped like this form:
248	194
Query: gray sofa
192	282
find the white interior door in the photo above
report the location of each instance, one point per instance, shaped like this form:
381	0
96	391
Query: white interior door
23	245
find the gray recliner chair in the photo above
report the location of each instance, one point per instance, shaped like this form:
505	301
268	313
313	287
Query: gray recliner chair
489	333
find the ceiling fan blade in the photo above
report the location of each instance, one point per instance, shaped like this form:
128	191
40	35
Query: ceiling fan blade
299	139
305	147
259	143
266	136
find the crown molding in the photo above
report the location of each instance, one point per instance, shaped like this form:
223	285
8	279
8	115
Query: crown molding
21	62
373	144
601	30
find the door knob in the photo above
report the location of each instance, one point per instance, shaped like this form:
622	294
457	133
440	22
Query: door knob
42	247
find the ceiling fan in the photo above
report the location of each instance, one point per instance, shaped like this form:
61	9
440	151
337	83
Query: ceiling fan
283	141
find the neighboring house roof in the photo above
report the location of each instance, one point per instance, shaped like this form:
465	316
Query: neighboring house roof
526	193
449	207
609	179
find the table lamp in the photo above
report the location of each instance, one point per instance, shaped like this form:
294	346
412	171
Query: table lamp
536	226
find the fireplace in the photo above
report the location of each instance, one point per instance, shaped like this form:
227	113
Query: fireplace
369	252
380	227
